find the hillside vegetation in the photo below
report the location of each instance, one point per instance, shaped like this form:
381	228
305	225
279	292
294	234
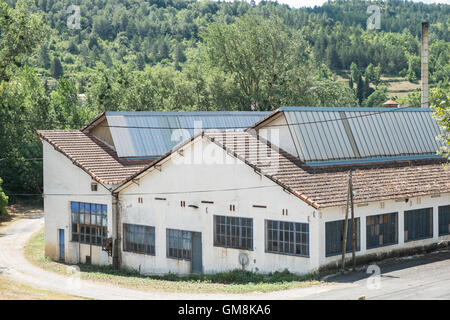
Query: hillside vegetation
199	55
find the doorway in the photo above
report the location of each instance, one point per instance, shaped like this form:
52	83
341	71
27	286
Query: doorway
197	263
61	245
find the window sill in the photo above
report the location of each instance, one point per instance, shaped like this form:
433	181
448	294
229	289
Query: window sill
229	247
288	254
383	245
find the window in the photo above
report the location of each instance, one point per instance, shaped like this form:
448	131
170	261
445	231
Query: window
287	237
94	186
418	224
89	223
139	238
334	234
382	230
444	220
179	244
233	232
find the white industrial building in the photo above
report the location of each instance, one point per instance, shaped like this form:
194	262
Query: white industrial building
131	190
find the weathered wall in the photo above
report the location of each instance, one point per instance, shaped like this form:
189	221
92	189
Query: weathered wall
63	183
188	178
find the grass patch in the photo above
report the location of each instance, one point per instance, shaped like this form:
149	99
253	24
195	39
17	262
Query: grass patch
12	290
236	281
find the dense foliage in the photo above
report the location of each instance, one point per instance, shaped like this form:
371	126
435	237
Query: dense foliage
442	115
3	203
196	55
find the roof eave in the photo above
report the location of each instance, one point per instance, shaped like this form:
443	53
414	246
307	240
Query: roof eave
94	122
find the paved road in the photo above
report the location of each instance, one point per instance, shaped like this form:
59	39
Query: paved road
426	277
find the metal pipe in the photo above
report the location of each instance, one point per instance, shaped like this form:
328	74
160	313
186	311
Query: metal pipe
424	65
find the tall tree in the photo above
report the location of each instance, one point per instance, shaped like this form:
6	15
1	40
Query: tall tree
259	53
56	68
21	31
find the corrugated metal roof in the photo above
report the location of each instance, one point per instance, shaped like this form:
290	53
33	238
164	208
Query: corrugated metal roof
152	134
330	135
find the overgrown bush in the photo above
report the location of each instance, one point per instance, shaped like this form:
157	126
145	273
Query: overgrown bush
3	202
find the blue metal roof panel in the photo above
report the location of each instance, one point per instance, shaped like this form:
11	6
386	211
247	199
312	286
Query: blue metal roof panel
336	134
152	134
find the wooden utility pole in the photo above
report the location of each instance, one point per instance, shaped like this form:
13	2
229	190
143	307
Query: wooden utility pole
344	237
353	229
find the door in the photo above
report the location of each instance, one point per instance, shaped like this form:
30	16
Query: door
61	244
197	264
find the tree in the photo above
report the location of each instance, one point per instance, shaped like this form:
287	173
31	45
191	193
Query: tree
45	57
21	31
440	99
3	202
360	89
259	53
377	98
354	72
56	68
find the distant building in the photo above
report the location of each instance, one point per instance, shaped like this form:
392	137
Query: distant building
391	104
266	198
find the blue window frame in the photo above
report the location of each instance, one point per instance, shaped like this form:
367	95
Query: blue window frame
382	230
418	224
291	238
444	220
139	238
233	232
179	244
89	223
334	235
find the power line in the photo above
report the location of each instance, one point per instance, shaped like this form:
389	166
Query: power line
143	193
26	159
226	127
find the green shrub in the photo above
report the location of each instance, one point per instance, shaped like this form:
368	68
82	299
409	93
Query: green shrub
3	201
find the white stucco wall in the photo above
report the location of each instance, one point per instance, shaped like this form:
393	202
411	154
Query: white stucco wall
64	182
195	181
177	182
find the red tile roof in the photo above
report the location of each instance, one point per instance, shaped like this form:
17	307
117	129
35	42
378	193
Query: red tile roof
93	156
320	188
328	187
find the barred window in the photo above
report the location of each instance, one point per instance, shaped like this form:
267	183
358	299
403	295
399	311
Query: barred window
89	223
382	230
179	244
444	220
233	232
418	224
334	235
139	238
287	237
